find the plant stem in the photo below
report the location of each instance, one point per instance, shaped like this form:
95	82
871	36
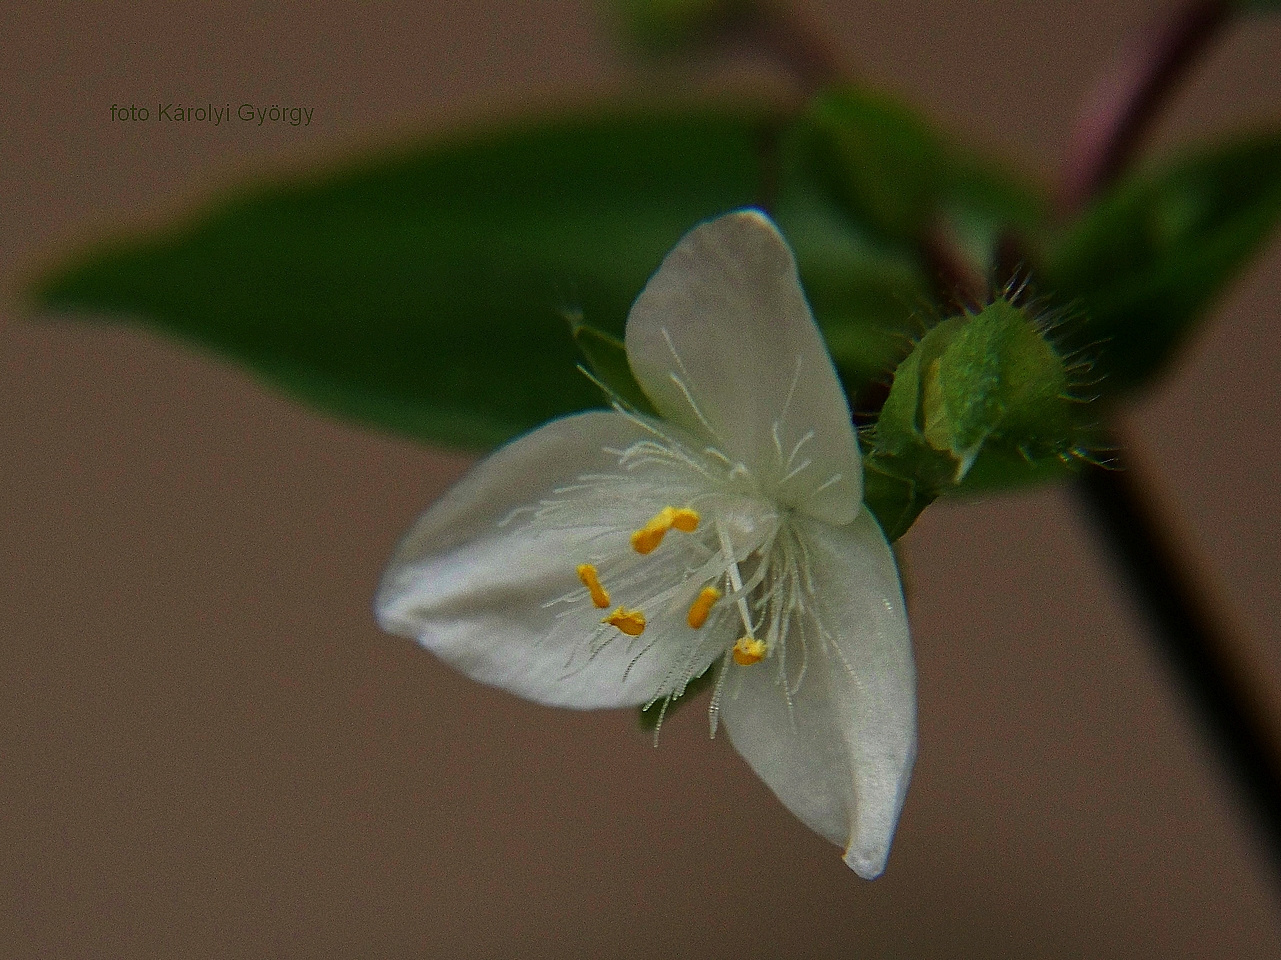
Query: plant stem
1112	127
1200	655
1123	105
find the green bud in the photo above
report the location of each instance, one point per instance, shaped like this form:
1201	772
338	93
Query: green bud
983	389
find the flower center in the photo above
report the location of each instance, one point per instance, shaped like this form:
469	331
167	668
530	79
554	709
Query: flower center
669	580
696	562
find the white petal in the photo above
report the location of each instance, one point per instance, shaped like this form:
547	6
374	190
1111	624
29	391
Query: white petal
724	344
475	590
841	758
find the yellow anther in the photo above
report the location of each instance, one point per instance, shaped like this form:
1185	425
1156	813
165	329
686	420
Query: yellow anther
630	622
702	606
587	574
749	650
648	537
684	519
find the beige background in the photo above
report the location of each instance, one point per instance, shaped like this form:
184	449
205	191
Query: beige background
208	750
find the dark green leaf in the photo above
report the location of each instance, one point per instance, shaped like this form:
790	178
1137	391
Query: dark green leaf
424	292
1148	259
868	297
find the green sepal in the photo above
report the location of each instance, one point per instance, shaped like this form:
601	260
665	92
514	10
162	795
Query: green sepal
1145	262
606	358
903	445
895	501
663	708
1000	383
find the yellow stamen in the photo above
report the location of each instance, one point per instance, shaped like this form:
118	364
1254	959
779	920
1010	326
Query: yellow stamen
648	537
587	574
702	606
684	519
630	622
749	650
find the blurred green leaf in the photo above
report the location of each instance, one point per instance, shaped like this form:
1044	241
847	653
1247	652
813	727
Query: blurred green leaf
1147	260
870	297
900	178
424	291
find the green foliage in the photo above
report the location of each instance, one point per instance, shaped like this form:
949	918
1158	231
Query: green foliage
1146	261
424	291
867	294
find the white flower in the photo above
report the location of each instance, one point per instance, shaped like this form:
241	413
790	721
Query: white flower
608	558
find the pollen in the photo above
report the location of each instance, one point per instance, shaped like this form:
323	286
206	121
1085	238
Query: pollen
587	574
702	606
648	537
630	622
749	650
685	520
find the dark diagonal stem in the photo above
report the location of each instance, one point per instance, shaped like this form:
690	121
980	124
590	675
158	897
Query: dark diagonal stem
1122	106
1169	597
1111	129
